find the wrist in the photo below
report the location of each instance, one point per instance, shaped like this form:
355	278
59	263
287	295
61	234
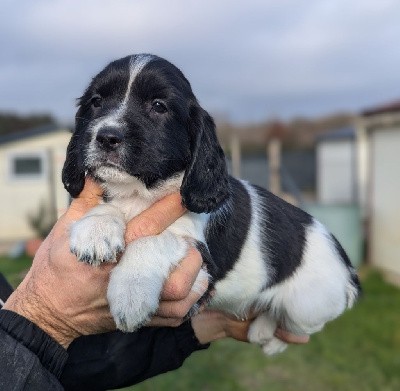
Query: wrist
31	308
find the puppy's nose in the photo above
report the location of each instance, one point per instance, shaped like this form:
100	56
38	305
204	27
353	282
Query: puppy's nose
109	138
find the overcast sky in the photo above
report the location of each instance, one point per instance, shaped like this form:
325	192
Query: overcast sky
246	60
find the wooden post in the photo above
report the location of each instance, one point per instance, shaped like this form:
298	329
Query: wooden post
52	186
274	155
235	154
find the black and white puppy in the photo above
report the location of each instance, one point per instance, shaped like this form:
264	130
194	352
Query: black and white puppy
141	133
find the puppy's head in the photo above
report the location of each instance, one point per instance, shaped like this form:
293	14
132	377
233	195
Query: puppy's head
139	120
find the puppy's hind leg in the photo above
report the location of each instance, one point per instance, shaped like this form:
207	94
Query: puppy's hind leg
262	331
136	282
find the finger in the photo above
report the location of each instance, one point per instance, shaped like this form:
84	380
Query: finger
156	219
91	191
88	198
240	330
288	337
178	309
158	321
181	280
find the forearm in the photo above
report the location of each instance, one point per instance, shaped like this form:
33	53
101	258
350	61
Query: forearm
143	354
138	356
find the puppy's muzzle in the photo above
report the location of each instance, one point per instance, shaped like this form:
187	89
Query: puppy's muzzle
109	139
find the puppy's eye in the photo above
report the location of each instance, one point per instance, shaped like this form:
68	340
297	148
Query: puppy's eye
159	107
96	100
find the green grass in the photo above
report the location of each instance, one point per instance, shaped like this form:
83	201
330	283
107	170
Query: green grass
358	352
15	269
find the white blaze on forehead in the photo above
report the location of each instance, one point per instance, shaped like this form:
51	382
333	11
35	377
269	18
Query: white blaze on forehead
136	64
114	118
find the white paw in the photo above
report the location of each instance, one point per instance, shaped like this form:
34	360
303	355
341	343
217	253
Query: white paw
262	329
274	346
97	238
201	283
133	299
261	332
136	282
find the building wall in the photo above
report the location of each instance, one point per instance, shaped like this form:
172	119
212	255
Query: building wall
21	197
385	200
336	182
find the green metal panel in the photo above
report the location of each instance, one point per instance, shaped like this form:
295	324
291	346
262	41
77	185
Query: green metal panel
344	221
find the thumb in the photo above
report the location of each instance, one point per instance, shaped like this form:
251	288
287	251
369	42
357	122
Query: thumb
89	197
91	191
155	219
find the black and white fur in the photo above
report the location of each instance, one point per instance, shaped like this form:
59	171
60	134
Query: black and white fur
141	133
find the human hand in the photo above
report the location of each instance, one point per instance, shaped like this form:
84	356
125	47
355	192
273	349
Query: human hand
288	337
178	297
211	325
67	298
62	296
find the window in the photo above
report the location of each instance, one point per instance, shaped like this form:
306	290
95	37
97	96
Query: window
27	166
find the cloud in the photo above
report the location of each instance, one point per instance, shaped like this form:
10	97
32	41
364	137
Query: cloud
247	59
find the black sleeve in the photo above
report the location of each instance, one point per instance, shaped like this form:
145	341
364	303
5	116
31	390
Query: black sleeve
29	358
115	360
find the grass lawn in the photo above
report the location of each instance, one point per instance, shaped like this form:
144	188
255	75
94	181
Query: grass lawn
15	269
358	352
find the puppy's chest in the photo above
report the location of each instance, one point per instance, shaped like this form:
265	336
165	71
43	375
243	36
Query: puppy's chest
190	225
130	206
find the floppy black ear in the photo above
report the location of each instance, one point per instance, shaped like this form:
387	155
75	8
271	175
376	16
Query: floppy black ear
73	173
205	184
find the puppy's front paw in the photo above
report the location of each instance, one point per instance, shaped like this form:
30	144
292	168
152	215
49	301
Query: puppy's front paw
133	299
95	239
136	282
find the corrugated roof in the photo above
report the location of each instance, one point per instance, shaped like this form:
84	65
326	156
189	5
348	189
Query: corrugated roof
32	132
344	133
390	107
